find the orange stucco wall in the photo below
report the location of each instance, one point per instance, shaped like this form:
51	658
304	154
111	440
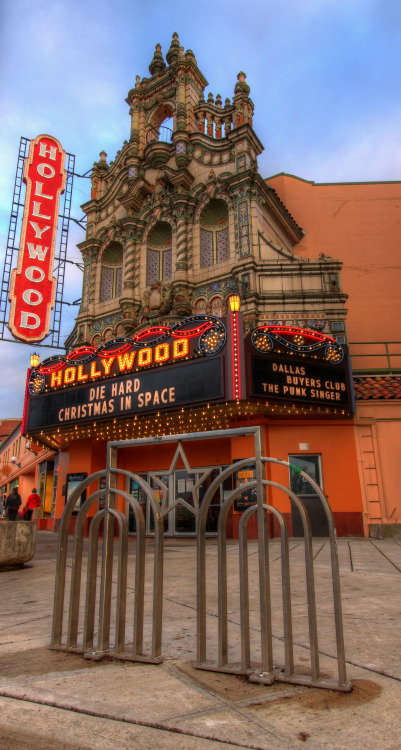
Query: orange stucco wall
82	456
333	441
359	224
26	482
378	436
199	453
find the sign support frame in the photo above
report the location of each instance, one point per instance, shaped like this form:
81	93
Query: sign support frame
53	339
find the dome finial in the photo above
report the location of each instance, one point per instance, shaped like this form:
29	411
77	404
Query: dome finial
241	85
157	65
172	54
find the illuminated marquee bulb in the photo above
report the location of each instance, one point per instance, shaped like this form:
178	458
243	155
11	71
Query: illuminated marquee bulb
69	375
162	352
145	357
180	348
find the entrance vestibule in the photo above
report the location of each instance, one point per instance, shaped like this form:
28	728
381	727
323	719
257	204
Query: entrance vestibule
176	491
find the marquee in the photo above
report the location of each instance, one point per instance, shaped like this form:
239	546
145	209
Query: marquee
199	360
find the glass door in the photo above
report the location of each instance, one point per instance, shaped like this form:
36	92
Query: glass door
215	505
185	521
168	488
311	465
137	492
160	484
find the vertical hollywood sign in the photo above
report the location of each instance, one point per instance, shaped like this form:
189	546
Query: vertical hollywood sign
33	287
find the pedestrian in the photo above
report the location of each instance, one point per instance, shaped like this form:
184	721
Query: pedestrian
12	504
32	503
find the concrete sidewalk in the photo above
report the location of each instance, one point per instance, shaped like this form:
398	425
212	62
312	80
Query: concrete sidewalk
56	700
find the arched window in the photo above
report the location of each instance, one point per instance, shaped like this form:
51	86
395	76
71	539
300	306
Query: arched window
200	306
159	265
214	246
111	278
217	307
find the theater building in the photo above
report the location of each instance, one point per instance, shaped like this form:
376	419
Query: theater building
213	298
26	464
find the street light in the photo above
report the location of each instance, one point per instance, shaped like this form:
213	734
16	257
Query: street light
35	360
234	302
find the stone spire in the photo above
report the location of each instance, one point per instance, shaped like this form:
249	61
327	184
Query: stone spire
157	65
174	51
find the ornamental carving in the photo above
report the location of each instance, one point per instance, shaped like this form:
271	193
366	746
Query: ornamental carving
182	300
157	300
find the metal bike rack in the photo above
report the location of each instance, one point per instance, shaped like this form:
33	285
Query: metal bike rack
96	642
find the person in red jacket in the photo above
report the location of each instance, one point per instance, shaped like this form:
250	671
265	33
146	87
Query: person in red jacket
32	503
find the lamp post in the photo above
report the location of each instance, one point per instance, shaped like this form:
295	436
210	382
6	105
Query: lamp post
234	302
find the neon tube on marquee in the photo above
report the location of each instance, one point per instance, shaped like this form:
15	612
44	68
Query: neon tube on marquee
198	335
33	287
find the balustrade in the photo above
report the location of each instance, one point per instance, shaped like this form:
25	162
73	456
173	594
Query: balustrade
159	134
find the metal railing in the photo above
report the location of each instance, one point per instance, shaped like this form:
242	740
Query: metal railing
159	134
98	642
377	357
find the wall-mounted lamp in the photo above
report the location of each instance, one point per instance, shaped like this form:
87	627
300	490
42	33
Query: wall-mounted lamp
234	302
35	359
15	462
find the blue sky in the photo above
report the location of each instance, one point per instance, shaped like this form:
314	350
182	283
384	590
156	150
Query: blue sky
325	78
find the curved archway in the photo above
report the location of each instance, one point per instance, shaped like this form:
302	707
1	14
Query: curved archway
161	124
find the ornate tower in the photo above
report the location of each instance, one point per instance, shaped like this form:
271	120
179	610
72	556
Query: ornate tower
182	218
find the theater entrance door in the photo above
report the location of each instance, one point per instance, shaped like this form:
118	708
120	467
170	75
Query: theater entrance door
178	493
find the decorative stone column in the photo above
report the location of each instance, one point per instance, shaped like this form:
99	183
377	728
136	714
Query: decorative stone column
92	282
129	270
189	241
86	257
89	250
181	265
181	109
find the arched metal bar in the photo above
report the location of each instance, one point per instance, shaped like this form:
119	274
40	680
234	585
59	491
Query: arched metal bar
76	568
59	589
222	572
142	483
158	561
266	633
91	577
106	579
286	590
158	588
244	590
112	515
310	577
92	564
335	571
137	638
137	643
222	577
121	603
121	580
201	555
